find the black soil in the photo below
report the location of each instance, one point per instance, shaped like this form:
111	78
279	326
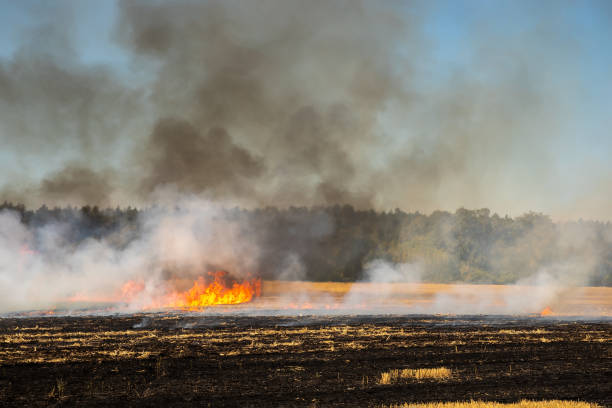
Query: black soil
204	360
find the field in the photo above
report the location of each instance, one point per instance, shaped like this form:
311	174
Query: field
310	344
428	298
222	360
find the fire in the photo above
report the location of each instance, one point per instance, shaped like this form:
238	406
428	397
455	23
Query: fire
130	290
547	311
220	291
216	288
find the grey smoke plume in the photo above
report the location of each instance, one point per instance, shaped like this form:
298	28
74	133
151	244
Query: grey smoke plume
291	102
295	86
179	156
78	184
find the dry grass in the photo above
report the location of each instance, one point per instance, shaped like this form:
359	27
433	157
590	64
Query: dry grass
190	343
58	390
484	404
48	344
440	373
29	345
579	301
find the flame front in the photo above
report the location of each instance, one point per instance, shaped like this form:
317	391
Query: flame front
547	311
218	292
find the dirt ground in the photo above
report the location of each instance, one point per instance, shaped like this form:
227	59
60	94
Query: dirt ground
220	360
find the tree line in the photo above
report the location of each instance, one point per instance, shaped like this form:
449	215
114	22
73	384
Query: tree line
337	243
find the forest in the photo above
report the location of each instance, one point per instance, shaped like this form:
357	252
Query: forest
337	243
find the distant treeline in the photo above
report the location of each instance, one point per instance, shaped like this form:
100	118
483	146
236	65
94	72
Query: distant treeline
336	243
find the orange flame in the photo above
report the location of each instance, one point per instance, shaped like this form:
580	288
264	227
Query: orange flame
547	311
130	290
218	292
217	288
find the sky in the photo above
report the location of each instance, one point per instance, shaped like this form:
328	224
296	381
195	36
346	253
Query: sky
406	104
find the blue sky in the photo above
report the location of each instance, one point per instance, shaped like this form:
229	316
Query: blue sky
562	47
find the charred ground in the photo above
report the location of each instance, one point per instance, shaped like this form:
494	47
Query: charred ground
179	360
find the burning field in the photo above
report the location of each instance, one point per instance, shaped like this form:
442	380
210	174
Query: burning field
224	342
305	203
193	305
219	293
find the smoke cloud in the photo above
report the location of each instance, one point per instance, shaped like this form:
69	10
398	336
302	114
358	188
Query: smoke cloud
287	102
44	267
280	103
179	156
56	262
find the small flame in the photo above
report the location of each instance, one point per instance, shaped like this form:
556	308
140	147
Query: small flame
547	311
130	290
221	291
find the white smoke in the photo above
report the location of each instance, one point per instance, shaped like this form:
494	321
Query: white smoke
41	268
381	271
378	288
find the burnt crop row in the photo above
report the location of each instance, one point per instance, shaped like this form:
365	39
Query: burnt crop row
298	361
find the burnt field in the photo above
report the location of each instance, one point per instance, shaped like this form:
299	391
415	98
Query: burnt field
220	360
